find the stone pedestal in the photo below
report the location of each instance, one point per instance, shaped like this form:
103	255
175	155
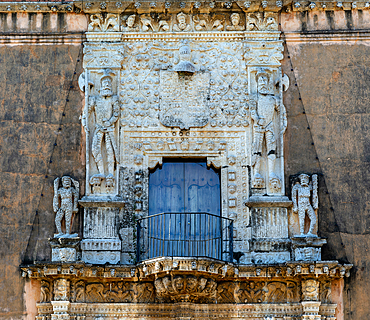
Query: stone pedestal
307	248
101	243
60	310
311	310
64	249
270	241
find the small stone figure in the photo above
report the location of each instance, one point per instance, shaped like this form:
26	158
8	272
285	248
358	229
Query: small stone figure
301	195
235	20
182	25
65	204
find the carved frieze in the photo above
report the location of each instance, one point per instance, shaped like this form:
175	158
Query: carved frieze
179	288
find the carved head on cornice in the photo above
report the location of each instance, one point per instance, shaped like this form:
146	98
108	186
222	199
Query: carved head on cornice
235	19
131	21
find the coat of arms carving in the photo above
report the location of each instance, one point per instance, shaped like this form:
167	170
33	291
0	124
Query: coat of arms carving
184	99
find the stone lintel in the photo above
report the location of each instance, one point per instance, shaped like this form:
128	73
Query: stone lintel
217	269
91	201
268	201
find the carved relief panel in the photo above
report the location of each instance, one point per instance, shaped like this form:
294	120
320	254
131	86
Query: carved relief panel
181	85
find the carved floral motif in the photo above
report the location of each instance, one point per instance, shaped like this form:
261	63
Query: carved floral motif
100	23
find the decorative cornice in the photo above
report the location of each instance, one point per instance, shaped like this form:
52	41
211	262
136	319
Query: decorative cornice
150	269
55	38
326	36
140	6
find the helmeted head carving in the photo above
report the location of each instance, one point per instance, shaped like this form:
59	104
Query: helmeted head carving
263	82
106	86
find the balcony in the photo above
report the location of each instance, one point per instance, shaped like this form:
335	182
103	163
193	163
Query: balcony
200	235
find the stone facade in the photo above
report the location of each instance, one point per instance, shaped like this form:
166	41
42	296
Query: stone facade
183	80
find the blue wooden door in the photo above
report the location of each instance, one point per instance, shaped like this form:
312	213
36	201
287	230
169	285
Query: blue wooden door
182	190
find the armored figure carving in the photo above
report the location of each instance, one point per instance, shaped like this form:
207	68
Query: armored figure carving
181	25
105	109
301	195
263	114
65	204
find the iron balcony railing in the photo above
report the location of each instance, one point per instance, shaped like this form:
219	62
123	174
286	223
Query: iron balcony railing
185	235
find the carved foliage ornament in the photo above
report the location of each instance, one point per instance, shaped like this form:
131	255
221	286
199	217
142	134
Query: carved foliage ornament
182	22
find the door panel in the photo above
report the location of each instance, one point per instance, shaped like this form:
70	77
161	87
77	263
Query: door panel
184	187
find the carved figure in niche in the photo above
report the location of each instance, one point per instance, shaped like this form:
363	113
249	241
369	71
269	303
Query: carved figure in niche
249	292
106	111
61	289
263	113
310	290
225	292
185	64
275	292
120	292
181	25
301	195
325	292
143	292
45	291
80	291
235	20
95	292
130	23
65	204
217	25
99	23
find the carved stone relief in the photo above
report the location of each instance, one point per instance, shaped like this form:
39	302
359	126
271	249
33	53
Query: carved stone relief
189	288
65	203
305	202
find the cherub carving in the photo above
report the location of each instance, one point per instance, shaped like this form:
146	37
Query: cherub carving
235	20
130	23
65	204
181	25
301	195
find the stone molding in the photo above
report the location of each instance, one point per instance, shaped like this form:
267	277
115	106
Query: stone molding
121	6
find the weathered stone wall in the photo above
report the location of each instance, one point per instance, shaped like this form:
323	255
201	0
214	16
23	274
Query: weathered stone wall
327	134
40	139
